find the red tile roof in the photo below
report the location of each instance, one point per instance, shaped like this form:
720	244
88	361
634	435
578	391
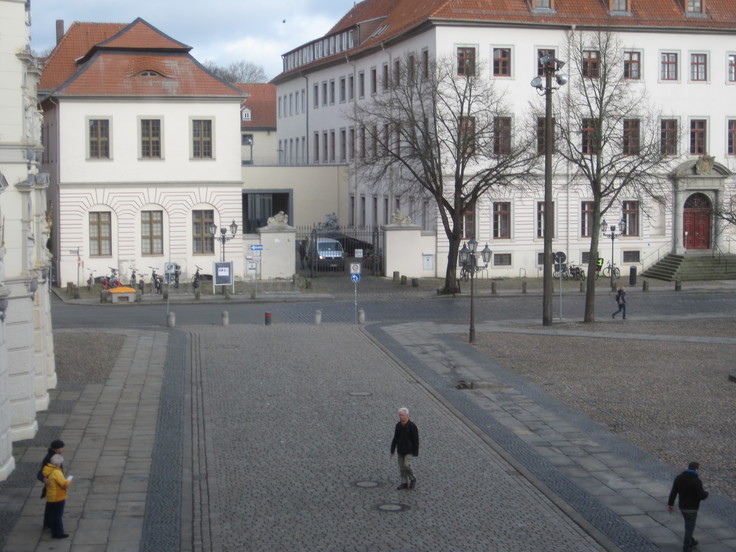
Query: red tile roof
261	101
401	16
99	59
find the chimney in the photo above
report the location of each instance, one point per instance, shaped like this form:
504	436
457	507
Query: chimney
59	30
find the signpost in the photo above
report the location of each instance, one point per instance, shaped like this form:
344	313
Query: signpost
355	277
560	258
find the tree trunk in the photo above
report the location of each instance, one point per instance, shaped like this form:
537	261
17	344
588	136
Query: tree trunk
452	286
592	262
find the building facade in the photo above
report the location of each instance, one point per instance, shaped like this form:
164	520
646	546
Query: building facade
681	51
27	368
143	148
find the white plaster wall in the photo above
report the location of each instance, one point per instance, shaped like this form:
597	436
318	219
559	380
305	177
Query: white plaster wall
405	247
278	258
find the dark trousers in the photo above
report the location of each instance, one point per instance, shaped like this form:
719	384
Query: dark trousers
690	516
52	517
621	307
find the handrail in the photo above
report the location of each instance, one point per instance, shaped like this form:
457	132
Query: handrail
721	254
645	265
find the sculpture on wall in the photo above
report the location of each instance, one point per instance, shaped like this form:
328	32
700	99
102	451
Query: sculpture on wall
279	220
399	218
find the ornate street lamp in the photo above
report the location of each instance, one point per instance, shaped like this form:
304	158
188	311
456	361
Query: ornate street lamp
550	66
613	231
223	237
469	261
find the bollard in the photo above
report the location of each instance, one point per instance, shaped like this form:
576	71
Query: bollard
403	280
318	317
361	316
493	288
396	275
645	285
678	285
171	320
138	296
267	319
225	318
582	287
415	282
166	292
523	287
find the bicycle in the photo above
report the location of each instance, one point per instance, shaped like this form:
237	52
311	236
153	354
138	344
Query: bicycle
577	272
611	268
196	278
155	281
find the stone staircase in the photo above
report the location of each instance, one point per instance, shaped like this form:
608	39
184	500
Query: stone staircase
694	266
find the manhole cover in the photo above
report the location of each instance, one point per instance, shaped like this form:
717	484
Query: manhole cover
367	484
392	507
360	394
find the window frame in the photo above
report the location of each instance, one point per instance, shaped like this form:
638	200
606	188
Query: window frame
631	215
151	140
699	70
669	136
193	140
467	123
101	237
501	220
152	233
502	66
731	68
587	146
466	58
631	136
541	52
666	66
98	139
698	137
204	217
587	213
591	64
631	63
730	136
502	132
540	220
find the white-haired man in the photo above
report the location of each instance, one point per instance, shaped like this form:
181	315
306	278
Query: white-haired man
406	443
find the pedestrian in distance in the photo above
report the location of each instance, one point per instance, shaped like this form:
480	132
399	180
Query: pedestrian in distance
689	487
621	301
406	443
56	496
56	447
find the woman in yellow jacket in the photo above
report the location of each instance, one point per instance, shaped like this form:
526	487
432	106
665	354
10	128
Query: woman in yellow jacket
56	496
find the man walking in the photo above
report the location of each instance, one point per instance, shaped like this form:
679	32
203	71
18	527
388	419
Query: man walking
690	488
406	442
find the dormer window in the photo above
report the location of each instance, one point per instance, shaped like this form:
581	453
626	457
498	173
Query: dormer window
245	114
543	4
619	5
695	6
149	73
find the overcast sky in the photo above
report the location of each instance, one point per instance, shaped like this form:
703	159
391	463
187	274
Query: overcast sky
222	31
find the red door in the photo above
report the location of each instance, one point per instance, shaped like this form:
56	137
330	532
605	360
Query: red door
696	222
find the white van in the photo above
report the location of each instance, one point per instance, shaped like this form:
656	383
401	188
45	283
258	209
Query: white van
328	254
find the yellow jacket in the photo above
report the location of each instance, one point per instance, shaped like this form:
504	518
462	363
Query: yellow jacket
56	489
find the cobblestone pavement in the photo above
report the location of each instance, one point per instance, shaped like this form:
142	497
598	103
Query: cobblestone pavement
299	421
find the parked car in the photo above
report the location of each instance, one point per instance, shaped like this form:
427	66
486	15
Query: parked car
350	244
326	253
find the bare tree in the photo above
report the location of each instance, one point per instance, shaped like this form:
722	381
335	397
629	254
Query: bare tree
238	71
608	134
435	134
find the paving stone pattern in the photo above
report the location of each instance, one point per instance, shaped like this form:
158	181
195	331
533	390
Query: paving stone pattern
300	415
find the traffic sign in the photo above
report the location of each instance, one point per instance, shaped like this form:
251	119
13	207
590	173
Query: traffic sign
355	278
256	247
354	268
170	268
560	257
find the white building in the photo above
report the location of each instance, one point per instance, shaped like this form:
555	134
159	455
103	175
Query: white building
143	148
26	347
682	51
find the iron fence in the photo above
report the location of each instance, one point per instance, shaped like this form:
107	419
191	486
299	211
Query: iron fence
330	249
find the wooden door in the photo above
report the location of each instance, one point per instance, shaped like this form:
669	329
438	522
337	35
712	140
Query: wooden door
696	222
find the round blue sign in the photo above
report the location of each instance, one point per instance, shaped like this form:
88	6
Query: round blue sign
355	277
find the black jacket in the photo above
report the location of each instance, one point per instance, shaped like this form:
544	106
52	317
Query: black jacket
406	439
690	488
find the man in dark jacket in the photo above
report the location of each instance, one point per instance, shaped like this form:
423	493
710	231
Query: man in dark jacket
690	488
406	443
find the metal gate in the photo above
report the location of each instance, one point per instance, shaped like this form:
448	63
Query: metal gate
323	249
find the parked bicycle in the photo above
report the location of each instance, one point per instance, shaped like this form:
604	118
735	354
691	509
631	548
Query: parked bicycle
142	283
155	281
196	278
133	280
607	270
177	273
91	280
576	272
112	281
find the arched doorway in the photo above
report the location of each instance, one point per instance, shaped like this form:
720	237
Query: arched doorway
697	221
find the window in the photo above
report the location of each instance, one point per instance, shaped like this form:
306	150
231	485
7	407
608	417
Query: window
699	67
542	137
632	65
540	219
351	144
152	232
731	67
384	77
698	128
731	148
467	135
695	6
631	218
361	84
351	88
543	4
425	64
151	138
466	61
668	67
586	219
332	92
411	70
325	147
502	220
588	135
332	146
100	234
631	137
632	256
361	146
397	72
502	62
591	64
619	5
99	139
202	241
541	52
202	139
502	135
324	93
503	259
316	147
374	83
343	144
315	93
469	223
668	133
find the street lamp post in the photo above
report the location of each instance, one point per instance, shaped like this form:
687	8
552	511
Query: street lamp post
469	261
550	67
223	237
613	231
